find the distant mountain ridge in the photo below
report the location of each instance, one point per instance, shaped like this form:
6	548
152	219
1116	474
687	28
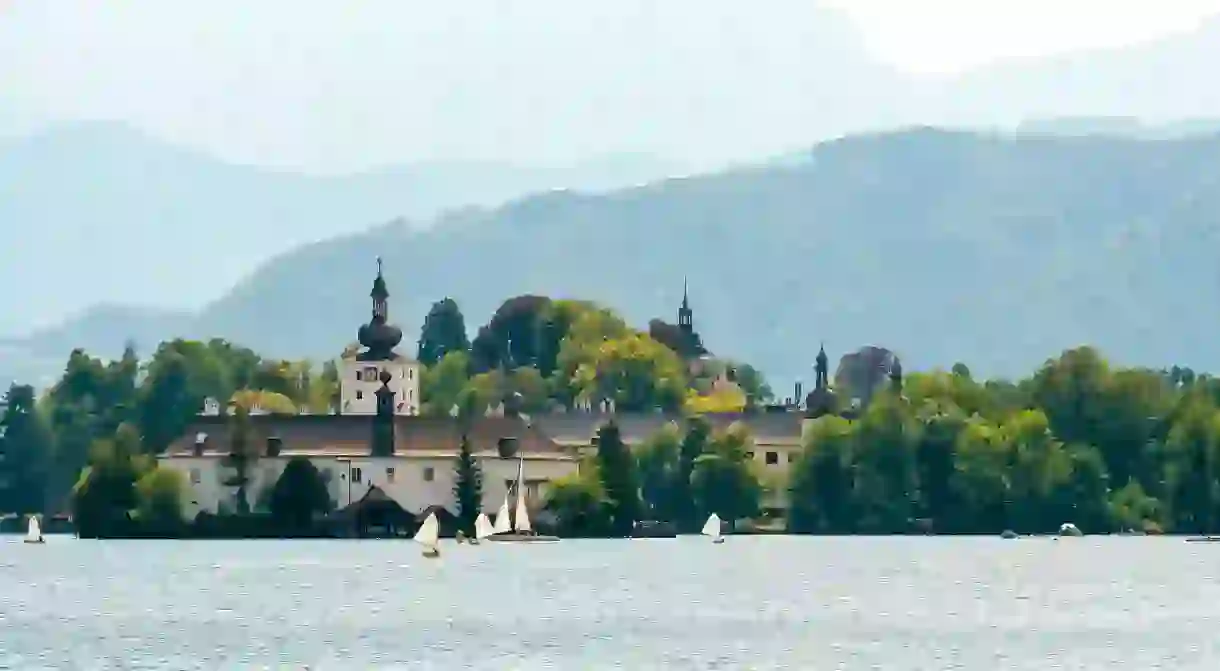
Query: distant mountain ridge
106	206
101	213
992	249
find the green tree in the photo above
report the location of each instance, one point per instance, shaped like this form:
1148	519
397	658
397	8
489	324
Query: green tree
514	335
981	481
1192	457
695	439
579	503
299	495
159	494
1038	468
822	482
752	384
25	452
635	371
443	382
467	486
935	455
886	476
443	332
1134	510
616	466
167	401
657	462
724	481
106	493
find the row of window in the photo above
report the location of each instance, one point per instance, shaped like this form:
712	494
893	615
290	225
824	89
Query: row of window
370	373
772	458
429	473
410	395
358	474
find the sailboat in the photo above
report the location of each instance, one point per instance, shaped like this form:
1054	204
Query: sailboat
429	536
1067	529
518	529
33	533
482	528
712	528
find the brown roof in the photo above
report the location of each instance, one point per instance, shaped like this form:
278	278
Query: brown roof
579	427
344	435
350	434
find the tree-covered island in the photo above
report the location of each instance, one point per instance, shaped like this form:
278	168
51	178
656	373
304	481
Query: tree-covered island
661	429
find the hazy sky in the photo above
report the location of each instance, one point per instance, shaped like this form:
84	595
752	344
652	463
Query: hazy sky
946	36
325	85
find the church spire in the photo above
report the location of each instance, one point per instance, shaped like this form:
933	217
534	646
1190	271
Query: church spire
379	294
686	320
378	336
821	369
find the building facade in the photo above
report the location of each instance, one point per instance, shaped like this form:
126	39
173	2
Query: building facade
420	472
377	441
360	373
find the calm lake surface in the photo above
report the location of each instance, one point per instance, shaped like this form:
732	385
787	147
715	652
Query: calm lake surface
753	603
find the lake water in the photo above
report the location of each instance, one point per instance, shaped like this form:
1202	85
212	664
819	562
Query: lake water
808	604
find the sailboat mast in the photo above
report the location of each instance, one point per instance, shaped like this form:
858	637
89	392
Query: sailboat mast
520	476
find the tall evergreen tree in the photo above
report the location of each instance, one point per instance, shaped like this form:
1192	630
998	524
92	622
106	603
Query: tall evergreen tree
694	444
467	486
616	465
444	331
167	402
25	453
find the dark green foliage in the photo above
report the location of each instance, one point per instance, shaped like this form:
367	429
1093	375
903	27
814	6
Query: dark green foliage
467	487
106	493
579	503
444	331
617	468
515	335
299	495
25	453
723	480
694	443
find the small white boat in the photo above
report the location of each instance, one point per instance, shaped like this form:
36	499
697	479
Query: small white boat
429	536
712	528
482	528
1069	529
33	533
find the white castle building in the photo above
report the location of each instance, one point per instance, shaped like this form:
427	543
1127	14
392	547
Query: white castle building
414	467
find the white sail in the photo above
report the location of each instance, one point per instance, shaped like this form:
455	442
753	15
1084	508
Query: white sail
503	524
33	532
523	516
429	532
482	527
712	526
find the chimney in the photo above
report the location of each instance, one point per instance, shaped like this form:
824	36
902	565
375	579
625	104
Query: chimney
201	443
